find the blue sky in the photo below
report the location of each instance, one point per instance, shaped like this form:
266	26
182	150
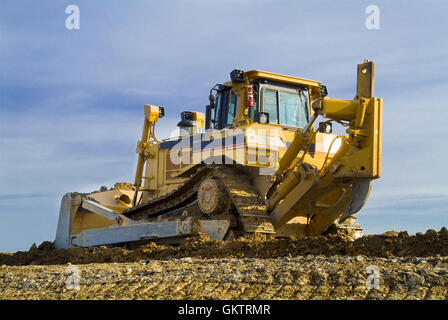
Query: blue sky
71	101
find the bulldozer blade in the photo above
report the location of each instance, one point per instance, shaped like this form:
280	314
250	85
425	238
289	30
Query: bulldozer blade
361	191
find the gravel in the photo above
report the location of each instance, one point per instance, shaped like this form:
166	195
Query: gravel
302	277
388	266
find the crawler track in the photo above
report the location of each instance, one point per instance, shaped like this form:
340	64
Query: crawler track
247	205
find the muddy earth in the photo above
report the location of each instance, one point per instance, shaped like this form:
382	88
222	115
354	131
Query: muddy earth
388	266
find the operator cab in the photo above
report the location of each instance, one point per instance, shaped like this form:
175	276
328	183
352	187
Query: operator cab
280	104
274	102
222	109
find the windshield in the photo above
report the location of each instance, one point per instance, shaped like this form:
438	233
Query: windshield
286	107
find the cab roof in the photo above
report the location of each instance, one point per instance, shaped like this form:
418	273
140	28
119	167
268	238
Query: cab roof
258	74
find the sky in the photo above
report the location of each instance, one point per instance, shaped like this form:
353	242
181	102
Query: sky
71	101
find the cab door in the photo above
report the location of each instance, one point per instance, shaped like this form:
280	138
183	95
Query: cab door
225	108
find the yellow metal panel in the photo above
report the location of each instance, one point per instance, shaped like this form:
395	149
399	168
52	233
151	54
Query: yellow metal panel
152	168
160	171
377	131
366	80
199	118
257	74
113	199
340	109
84	220
151	112
366	160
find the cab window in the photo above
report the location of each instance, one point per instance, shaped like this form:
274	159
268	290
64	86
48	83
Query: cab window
293	109
270	105
251	112
232	109
217	109
286	107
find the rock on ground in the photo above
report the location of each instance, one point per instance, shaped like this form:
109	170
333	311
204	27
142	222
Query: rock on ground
389	266
304	277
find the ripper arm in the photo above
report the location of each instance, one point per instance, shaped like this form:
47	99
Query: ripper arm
358	158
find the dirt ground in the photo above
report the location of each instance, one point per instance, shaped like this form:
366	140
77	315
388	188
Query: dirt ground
389	266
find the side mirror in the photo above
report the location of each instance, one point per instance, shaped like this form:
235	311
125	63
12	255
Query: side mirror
209	116
212	100
323	91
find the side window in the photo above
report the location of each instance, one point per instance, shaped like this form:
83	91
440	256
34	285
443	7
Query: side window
251	112
270	104
232	109
286	107
217	110
293	109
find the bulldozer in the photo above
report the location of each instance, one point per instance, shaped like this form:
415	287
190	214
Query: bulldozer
256	163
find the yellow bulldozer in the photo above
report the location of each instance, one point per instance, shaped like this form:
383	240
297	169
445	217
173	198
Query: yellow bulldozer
256	163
